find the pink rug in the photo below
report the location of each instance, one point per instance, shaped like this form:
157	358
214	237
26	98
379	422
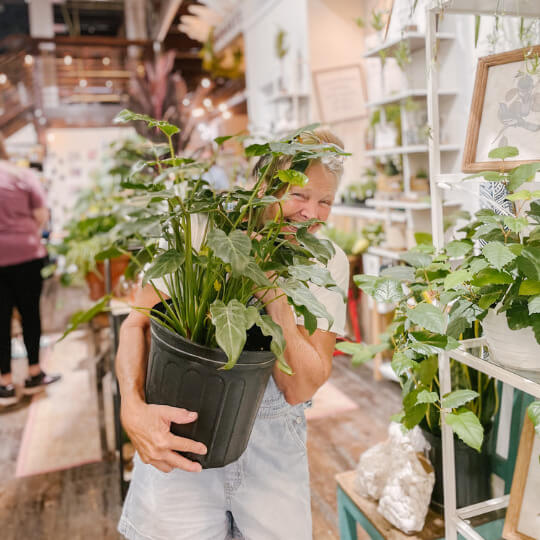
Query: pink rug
327	401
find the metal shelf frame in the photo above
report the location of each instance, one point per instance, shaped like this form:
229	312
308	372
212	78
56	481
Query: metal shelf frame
455	519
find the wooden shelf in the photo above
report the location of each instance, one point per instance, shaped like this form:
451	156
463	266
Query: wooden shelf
402	96
412	149
385	252
416	42
510	8
287	97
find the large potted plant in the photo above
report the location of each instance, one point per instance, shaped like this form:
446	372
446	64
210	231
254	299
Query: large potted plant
215	255
442	297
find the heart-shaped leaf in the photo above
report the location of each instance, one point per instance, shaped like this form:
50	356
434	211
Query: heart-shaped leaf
233	248
429	317
457	398
467	427
497	254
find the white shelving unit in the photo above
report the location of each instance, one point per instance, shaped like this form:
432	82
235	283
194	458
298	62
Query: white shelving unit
413	149
406	94
455	520
416	42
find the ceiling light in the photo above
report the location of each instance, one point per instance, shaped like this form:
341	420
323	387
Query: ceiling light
223	107
205	83
83	83
68	60
186	102
207	102
3	78
28	59
106	60
226	115
197	112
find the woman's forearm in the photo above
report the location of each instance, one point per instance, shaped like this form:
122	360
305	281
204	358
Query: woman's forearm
310	369
131	361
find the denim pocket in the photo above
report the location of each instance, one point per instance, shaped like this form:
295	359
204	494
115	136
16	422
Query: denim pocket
296	425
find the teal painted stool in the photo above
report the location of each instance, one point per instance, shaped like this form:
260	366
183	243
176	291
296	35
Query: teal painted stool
354	509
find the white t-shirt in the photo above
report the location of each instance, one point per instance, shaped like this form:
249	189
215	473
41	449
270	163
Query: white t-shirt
338	266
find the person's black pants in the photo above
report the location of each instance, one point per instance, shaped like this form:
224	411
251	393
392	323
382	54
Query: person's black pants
20	287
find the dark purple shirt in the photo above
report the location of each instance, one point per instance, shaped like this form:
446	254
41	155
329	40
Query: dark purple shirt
20	194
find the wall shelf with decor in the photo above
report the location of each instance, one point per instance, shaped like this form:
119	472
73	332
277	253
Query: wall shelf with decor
407	94
413	149
474	353
416	41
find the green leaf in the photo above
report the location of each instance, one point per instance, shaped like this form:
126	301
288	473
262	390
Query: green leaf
427	369
458	248
253	271
486	229
534	304
166	263
467	427
515	224
321	249
528	268
360	352
529	287
302	296
520	196
168	129
388	290
490	276
311	272
427	397
233	248
423	238
477	264
257	150
84	316
416	259
367	283
456	278
497	254
533	410
291	176
490	176
520	175
503	152
401	273
109	253
429	317
220	140
401	363
414	411
457	398
488	300
427	343
270	328
230	321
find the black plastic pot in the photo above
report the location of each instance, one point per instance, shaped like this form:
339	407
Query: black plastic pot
187	375
473	472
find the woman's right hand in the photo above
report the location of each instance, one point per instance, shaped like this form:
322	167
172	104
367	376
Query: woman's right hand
148	427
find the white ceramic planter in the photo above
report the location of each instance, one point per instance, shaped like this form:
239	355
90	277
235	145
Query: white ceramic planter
516	349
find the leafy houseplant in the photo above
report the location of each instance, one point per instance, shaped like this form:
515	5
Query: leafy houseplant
213	251
439	301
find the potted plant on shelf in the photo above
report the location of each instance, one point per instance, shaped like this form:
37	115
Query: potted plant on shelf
216	251
443	297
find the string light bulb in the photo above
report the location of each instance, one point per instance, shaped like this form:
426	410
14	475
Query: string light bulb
28	59
68	60
205	83
3	78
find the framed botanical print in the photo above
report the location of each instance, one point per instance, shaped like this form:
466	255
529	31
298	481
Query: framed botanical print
523	515
505	110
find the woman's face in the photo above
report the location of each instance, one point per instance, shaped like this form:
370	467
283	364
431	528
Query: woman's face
313	201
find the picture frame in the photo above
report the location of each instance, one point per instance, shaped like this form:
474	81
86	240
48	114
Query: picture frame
505	110
523	514
340	93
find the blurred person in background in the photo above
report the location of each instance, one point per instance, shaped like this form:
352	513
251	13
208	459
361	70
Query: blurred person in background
23	213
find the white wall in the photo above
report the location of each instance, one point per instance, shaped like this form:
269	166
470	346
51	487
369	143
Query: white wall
335	40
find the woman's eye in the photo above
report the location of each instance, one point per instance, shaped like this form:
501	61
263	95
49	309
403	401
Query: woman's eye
298	195
326	203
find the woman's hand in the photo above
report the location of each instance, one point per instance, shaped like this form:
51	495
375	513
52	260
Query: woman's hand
148	427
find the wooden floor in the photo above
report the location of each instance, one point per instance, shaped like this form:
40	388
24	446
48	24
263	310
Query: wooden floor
84	502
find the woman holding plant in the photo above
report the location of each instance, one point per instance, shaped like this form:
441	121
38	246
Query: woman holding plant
266	492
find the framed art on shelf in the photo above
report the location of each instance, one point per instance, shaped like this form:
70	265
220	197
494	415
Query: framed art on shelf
340	93
523	514
505	110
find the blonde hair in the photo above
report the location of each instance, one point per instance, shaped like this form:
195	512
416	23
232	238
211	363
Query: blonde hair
332	162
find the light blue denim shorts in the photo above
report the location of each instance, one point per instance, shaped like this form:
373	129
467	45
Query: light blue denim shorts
264	495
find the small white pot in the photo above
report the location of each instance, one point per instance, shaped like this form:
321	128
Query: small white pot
515	349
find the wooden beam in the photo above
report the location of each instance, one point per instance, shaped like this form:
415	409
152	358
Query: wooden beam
95	41
168	11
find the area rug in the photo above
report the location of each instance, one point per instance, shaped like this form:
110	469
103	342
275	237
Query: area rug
329	400
62	429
